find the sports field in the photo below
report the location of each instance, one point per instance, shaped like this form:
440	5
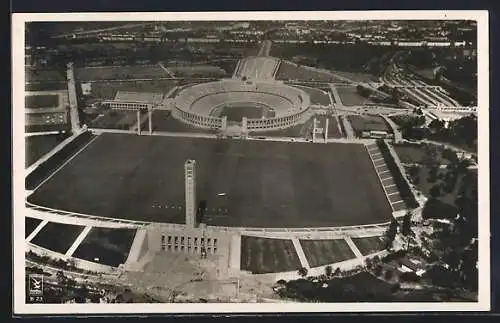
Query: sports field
262	255
324	252
266	184
236	112
41	101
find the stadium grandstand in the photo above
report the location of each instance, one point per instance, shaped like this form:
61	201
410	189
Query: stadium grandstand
258	68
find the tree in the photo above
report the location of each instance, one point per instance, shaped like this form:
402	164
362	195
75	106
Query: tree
435	191
388	274
369	263
328	271
391	233
302	272
436	125
406	227
378	270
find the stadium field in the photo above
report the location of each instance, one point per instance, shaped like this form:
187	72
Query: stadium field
369	245
38	146
57	237
236	112
108	246
262	255
41	101
324	252
266	184
30	224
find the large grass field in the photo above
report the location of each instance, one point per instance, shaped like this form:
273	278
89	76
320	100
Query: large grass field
350	96
30	224
290	71
369	245
324	252
120	72
38	146
163	121
317	96
115	119
41	101
57	237
108	246
108	89
267	184
367	123
262	255
236	112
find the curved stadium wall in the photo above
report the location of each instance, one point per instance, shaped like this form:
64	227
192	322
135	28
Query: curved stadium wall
293	107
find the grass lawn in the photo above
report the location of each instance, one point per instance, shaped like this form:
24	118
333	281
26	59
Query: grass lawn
236	112
38	146
324	252
109	245
267	184
120	72
115	119
317	96
350	96
163	121
367	123
41	101
262	255
369	245
57	237
425	186
416	154
289	71
30	224
108	89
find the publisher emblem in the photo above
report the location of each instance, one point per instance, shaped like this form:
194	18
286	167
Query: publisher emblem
35	285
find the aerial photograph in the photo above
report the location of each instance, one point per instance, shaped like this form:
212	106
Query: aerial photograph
259	161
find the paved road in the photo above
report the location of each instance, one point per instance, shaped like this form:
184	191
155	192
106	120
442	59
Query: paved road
348	129
265	48
395	129
94	31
